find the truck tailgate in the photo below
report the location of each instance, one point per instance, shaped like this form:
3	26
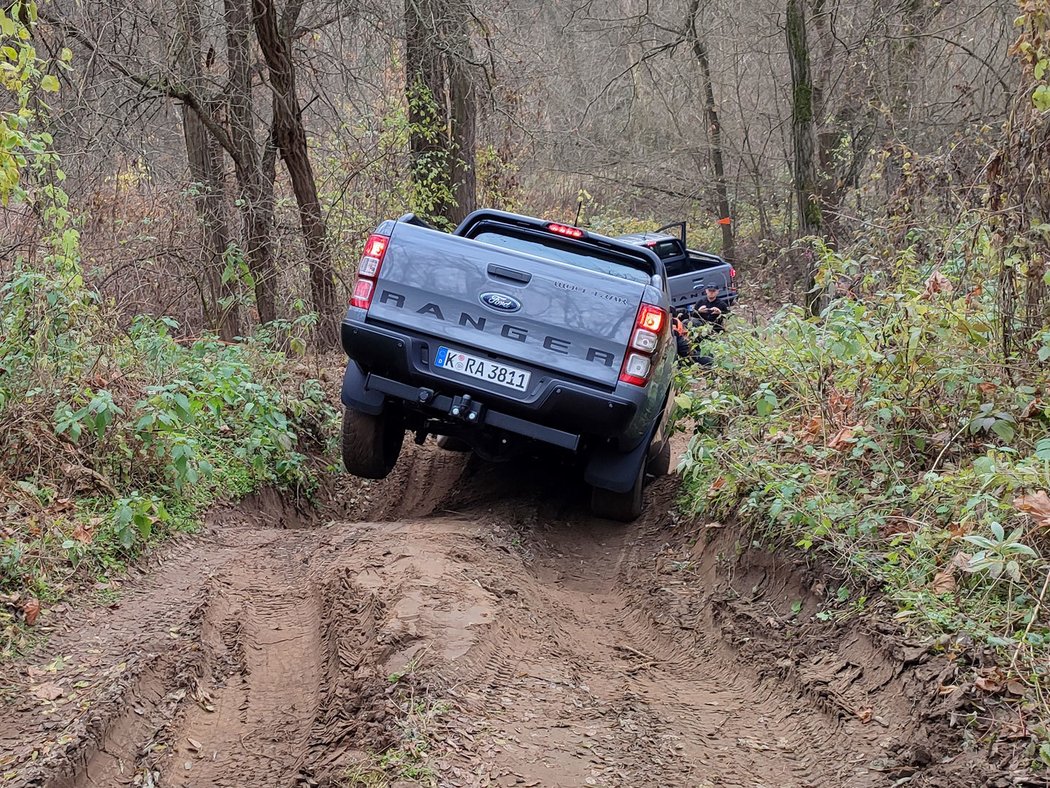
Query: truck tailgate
515	305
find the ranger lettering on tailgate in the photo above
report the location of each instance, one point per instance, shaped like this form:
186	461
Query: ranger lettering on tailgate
507	330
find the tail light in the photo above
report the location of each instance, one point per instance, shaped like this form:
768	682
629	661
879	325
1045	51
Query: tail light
732	273
645	339
368	271
564	229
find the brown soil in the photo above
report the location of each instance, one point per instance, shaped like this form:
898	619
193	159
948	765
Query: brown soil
536	645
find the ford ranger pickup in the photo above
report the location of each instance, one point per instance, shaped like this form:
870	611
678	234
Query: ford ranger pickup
508	335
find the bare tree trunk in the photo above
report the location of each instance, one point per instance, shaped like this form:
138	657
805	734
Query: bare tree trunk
428	119
290	136
464	137
803	137
256	198
442	107
205	164
714	133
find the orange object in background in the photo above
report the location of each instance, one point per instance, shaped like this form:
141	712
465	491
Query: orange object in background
725	220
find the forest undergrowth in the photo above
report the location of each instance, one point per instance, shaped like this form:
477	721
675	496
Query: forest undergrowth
894	439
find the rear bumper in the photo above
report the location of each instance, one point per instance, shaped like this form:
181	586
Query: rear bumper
394	364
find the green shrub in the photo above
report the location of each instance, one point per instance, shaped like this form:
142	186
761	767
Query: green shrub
891	437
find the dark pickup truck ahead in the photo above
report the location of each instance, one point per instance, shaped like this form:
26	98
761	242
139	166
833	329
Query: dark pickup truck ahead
688	271
509	334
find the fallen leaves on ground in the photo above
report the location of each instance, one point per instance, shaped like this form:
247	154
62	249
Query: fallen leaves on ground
987	684
48	691
843	439
812	429
839	404
85	532
991	680
987	388
897	524
944	581
31	608
1036	506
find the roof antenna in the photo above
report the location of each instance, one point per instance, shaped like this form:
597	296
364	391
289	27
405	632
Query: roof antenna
579	209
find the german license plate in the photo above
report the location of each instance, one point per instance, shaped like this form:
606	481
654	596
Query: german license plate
482	369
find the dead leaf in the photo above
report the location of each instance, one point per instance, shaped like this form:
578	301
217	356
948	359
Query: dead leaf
897	524
31	608
944	581
841	439
844	437
839	405
1036	506
1016	687
866	714
717	485
83	533
987	388
193	745
937	283
961	560
812	429
714	524
988	685
48	691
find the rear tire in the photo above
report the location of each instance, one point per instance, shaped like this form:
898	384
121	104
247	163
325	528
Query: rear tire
371	444
660	465
622	507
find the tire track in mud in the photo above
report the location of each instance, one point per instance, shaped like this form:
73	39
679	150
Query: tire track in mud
596	693
565	650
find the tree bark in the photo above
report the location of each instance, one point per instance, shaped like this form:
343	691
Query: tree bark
803	136
204	157
427	94
464	139
290	136
714	133
256	199
442	108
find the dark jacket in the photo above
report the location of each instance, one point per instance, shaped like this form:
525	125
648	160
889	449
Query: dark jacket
714	320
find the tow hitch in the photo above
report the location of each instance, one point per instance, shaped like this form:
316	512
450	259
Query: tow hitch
466	409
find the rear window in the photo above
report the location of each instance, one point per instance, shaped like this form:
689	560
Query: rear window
665	249
556	249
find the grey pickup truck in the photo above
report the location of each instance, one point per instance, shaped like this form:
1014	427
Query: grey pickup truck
508	335
688	271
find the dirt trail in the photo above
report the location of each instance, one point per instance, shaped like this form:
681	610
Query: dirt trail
538	646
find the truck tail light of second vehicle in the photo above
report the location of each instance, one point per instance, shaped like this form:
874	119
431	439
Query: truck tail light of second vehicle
368	271
638	363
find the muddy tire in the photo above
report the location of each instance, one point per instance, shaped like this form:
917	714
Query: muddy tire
623	507
371	444
446	443
660	465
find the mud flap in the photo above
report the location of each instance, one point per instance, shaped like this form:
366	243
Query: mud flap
617	471
355	395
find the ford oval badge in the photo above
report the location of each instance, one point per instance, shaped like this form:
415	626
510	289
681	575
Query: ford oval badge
500	302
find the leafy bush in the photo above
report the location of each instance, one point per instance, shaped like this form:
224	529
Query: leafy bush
891	436
103	460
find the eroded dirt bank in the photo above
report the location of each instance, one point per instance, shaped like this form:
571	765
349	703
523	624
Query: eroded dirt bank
535	645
